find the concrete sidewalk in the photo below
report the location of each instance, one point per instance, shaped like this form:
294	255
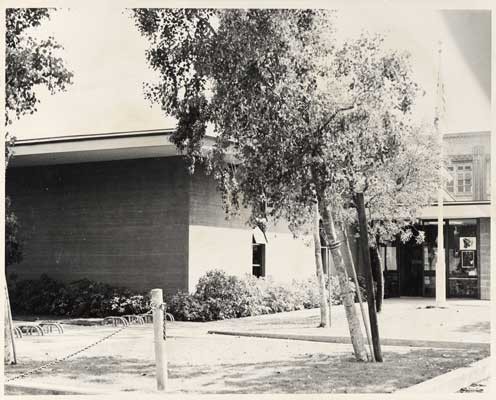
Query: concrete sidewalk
205	363
465	322
412	322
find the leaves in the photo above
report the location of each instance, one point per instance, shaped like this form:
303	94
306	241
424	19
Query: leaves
30	62
302	116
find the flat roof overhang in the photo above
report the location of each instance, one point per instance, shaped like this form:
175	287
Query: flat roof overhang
455	210
93	148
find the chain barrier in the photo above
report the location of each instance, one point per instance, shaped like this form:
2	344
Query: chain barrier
70	355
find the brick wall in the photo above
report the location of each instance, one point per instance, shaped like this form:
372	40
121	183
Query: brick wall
107	221
485	264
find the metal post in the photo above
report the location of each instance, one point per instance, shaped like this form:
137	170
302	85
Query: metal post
364	247
441	264
159	338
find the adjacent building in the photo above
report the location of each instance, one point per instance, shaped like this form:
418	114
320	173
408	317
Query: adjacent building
411	268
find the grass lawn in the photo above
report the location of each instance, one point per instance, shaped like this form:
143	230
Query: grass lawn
223	364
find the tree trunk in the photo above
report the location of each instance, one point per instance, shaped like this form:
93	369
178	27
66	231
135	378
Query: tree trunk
324	306
359	295
9	356
347	294
379	278
329	290
364	247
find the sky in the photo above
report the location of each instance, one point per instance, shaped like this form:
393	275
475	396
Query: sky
107	55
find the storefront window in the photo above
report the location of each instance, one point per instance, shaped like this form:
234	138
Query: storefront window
462	258
430	255
430	246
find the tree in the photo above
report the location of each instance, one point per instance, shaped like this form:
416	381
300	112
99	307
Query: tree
369	142
191	56
300	124
29	64
408	184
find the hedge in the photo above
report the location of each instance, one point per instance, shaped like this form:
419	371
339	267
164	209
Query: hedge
217	296
83	298
221	296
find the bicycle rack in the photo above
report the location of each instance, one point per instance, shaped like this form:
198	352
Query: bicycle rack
17	332
49	326
147	318
30	329
134	319
115	321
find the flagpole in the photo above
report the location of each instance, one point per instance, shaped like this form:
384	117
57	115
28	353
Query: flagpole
441	264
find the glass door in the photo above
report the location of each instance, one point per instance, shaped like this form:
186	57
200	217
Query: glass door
463	273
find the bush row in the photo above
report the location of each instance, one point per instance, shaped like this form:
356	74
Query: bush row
221	296
217	296
82	298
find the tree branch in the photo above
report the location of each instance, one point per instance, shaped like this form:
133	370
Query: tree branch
347	108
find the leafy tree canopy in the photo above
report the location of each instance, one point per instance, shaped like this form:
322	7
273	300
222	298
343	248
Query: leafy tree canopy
30	62
305	117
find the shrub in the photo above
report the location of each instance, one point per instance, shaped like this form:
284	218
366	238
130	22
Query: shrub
222	296
82	298
184	306
217	296
256	289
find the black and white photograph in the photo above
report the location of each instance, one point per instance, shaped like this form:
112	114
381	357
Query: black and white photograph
213	198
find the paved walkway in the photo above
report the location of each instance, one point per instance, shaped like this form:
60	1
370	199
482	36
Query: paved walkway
200	367
410	319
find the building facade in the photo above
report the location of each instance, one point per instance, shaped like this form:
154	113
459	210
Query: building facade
122	209
411	268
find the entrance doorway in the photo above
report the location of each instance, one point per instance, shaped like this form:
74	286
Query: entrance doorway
411	273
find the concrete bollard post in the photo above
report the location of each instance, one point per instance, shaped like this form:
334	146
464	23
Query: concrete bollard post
159	338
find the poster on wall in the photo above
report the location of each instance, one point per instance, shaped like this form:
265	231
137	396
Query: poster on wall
468	243
468	258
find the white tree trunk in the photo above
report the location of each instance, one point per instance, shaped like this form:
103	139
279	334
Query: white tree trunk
324	305
357	288
347	294
379	301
